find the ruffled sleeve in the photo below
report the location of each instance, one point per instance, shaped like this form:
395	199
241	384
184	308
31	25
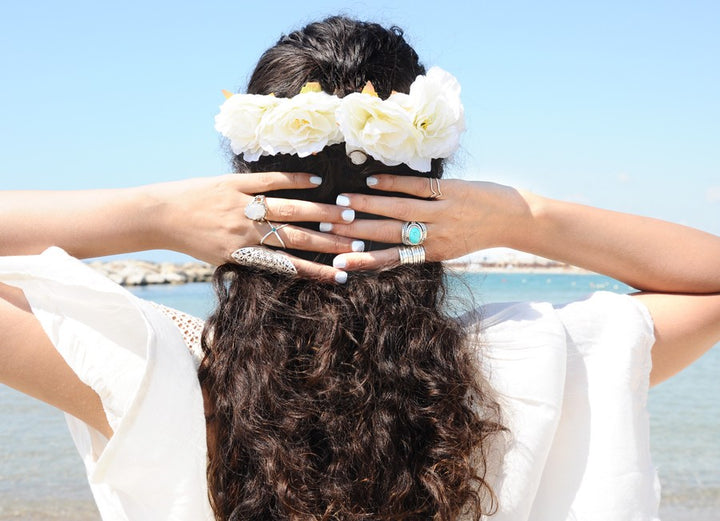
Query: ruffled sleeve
572	381
134	357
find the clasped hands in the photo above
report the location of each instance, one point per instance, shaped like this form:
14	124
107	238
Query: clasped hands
205	218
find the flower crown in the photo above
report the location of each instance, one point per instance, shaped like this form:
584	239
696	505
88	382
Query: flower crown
409	128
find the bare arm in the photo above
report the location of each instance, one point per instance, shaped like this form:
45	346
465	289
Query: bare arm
648	254
85	223
201	217
678	267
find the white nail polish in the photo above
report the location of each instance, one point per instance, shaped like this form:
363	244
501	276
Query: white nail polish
358	246
316	180
348	216
342	200
339	262
371	181
325	227
341	277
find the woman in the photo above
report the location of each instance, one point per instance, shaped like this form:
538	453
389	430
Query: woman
324	395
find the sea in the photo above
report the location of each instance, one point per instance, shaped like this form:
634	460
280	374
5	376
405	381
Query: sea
42	477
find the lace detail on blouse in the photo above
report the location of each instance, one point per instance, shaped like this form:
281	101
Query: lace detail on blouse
191	328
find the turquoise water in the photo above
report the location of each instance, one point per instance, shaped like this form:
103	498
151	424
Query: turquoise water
42	478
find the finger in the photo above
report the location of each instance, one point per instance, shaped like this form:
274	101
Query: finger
268	181
295	210
400	208
425	187
302	267
373	260
314	270
286	236
378	230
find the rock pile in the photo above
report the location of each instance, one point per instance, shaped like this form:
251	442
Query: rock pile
141	273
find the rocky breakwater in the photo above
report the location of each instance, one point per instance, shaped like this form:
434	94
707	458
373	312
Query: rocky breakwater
141	273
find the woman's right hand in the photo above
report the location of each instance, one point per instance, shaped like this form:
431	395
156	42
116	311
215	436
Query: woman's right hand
468	216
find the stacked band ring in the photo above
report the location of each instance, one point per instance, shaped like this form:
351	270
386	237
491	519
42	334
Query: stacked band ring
411	254
414	233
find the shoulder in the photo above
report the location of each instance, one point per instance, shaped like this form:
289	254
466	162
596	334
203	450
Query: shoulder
597	314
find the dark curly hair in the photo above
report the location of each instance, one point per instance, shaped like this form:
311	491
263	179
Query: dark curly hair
341	402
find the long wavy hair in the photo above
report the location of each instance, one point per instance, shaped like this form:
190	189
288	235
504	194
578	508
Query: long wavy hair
359	401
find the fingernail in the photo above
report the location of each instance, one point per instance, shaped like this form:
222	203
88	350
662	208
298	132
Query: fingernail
358	246
316	180
341	277
348	215
325	227
342	200
371	181
339	262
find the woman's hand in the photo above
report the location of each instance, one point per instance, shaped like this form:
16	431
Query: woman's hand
467	217
205	219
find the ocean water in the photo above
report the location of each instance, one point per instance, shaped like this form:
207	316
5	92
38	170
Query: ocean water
42	477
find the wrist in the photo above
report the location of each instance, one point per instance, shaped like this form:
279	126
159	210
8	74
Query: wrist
525	213
152	217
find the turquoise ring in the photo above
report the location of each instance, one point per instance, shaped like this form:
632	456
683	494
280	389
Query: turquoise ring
414	233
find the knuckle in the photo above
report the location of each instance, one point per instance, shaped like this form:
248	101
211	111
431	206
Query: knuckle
296	237
403	210
285	212
266	180
360	201
421	185
361	263
340	244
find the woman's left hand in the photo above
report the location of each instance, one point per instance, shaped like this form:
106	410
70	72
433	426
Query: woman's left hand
466	217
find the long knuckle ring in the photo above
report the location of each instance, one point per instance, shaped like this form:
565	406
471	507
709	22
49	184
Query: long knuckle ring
414	233
411	254
259	257
256	209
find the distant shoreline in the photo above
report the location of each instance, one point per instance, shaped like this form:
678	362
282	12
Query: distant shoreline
144	273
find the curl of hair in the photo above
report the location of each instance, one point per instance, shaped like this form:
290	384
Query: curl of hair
342	402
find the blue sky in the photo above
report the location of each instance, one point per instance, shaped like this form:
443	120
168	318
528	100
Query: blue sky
614	104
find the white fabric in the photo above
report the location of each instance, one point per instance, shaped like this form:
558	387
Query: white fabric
572	381
134	357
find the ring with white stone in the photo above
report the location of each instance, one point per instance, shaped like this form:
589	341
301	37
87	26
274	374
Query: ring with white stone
357	157
274	231
411	254
414	233
259	257
256	209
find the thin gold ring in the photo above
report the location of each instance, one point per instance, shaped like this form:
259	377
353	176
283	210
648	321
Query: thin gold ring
435	192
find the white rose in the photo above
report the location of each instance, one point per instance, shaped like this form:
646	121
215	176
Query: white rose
383	129
239	119
438	113
302	125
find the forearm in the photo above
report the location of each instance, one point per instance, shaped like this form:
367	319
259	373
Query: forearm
645	253
85	223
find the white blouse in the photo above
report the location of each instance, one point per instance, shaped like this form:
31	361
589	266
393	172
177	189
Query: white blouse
572	381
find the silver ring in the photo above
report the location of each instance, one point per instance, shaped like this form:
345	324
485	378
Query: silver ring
411	254
435	192
256	209
414	233
274	231
258	257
